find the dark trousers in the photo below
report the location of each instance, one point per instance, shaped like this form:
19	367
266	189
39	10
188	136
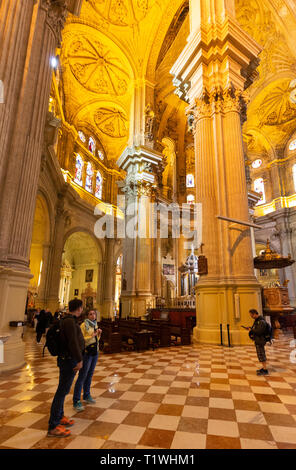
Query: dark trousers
66	378
260	349
85	377
39	335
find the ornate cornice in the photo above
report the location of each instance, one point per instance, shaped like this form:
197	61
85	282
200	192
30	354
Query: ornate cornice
139	189
56	15
217	101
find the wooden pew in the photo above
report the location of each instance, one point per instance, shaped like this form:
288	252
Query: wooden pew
110	339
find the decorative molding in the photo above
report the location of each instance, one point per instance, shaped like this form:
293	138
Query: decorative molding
217	101
111	122
122	12
139	188
96	68
56	15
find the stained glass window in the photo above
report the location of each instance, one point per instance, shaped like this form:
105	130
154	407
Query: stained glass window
81	136
190	199
78	170
257	163
100	155
89	178
190	181
99	185
292	145
91	145
259	188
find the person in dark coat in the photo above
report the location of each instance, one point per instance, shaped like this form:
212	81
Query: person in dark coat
257	334
42	322
69	362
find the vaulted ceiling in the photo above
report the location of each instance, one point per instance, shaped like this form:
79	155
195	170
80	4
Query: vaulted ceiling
115	43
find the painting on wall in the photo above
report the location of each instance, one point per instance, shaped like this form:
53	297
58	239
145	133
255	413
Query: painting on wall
89	274
168	269
76	292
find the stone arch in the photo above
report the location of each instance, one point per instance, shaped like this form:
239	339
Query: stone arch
159	38
88	231
80	272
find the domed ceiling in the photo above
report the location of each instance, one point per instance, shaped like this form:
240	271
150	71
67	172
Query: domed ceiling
115	44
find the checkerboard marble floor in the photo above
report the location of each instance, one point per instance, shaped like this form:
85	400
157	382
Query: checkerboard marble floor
190	397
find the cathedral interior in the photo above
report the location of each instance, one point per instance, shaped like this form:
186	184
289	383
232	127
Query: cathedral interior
110	105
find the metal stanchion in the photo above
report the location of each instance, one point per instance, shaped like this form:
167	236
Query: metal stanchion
221	334
228	334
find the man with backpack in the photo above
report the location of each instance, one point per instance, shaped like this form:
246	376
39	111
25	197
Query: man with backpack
70	352
260	333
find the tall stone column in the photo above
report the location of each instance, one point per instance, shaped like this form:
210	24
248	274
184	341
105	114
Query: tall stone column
157	265
219	61
56	254
137	286
30	32
109	279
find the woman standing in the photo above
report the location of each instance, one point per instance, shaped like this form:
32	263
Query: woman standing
91	335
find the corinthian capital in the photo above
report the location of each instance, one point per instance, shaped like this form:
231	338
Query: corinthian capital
56	15
219	101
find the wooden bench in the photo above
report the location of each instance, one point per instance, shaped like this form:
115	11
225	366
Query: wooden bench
111	340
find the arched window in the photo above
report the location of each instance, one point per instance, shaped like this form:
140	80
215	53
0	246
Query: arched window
257	163
89	178
99	185
292	145
91	145
294	175
259	188
78	170
81	136
100	155
190	181
190	199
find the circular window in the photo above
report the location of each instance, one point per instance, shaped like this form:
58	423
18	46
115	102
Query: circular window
257	163
292	145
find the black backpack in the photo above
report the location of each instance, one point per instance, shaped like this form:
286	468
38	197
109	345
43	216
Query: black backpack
268	333
53	339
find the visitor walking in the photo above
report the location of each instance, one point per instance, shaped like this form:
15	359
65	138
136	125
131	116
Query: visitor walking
258	334
91	335
69	362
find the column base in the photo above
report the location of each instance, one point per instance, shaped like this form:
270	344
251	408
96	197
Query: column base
225	302
13	287
13	356
107	309
136	305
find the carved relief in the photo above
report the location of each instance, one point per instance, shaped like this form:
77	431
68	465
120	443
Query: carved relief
122	12
277	107
190	158
139	188
56	15
219	101
149	122
111	122
96	68
258	21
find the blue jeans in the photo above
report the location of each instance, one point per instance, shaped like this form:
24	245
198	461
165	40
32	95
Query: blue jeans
84	378
66	378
